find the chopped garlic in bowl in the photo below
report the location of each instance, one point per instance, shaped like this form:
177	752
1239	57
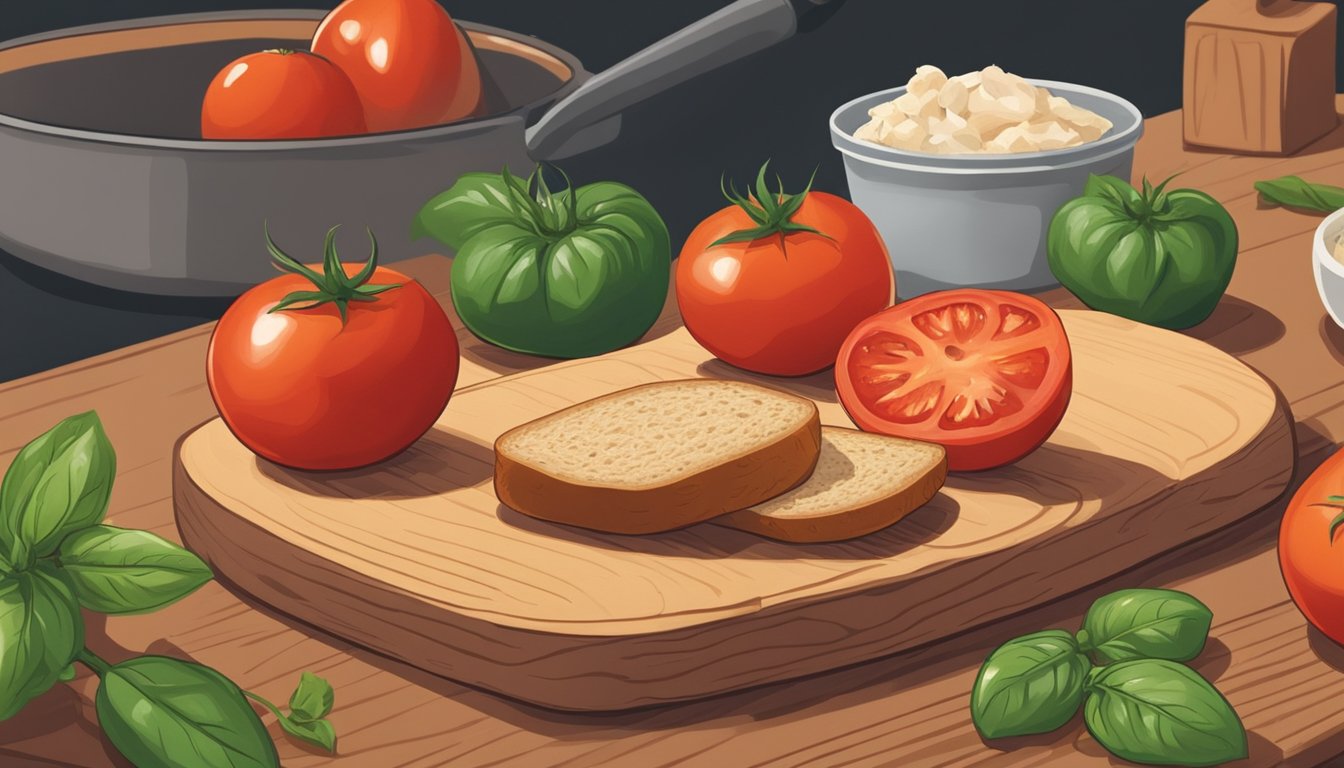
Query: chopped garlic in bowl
985	112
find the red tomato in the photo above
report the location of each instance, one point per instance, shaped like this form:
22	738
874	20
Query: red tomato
986	374
280	95
1311	549
781	302
301	387
407	59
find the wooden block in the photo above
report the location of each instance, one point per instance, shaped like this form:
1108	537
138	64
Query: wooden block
1166	439
1259	75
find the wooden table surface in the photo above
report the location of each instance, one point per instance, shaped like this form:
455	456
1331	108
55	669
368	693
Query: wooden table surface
1284	679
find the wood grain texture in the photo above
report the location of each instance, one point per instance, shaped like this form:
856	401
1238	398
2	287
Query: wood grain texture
909	709
1166	439
1259	75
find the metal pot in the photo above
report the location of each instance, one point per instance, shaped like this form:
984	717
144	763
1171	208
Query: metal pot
108	181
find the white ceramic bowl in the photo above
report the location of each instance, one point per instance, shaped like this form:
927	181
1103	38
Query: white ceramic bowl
1329	272
953	221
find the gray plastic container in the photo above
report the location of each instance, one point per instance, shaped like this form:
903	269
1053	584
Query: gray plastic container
952	221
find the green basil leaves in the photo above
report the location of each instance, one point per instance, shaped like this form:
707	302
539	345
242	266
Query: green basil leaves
41	631
312	699
1159	712
309	706
120	571
1146	624
164	713
58	484
56	556
1142	704
1033	684
1294	192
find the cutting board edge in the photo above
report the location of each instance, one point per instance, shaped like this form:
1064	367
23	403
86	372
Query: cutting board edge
618	682
608	691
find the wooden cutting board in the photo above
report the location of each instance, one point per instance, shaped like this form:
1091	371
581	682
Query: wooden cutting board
1166	440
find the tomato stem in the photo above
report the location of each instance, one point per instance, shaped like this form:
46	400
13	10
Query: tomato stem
771	211
551	214
333	286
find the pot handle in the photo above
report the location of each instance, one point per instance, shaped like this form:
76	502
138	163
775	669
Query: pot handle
736	31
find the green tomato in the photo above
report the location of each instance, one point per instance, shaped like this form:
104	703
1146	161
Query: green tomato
1158	257
572	273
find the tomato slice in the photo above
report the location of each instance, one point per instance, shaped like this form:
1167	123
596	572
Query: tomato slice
986	374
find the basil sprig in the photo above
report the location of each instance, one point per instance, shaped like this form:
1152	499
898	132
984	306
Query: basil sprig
1146	624
1138	700
1295	192
56	555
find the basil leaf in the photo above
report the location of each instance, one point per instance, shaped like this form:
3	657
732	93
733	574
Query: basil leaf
41	631
165	713
120	571
59	483
1146	624
317	732
312	699
1160	712
1033	684
1294	192
475	203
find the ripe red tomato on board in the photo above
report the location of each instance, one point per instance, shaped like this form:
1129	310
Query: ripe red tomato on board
334	367
986	374
774	283
280	94
1311	547
408	61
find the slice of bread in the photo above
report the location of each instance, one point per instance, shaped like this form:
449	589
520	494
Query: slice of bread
659	456
863	483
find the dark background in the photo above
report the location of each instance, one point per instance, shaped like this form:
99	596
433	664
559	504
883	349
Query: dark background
674	146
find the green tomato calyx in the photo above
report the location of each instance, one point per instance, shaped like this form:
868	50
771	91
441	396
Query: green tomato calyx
551	214
771	211
333	286
1335	502
1146	205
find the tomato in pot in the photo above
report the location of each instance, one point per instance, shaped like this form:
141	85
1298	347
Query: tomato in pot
410	64
774	283
280	94
332	367
1311	548
986	374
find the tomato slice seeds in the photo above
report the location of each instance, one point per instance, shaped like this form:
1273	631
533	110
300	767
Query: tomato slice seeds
987	374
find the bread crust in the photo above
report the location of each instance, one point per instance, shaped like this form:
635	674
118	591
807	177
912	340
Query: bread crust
846	524
741	482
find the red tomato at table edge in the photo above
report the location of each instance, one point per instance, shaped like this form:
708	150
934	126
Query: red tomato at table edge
280	94
775	288
927	340
1311	554
326	387
410	64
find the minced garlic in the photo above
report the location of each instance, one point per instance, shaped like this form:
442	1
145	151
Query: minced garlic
990	111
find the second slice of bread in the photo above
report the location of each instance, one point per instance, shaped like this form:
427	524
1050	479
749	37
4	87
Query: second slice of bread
659	456
862	483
